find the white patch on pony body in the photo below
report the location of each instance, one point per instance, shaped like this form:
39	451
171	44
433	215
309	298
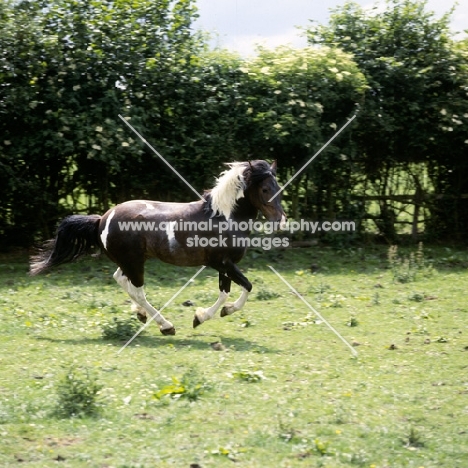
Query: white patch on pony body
229	188
170	233
105	232
149	206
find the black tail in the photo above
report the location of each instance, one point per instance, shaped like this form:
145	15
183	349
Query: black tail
76	236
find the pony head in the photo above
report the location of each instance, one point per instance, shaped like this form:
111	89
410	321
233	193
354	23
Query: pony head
254	180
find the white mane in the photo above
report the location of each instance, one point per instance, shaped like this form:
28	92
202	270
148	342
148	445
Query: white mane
229	188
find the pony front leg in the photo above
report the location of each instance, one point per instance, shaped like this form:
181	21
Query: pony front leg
201	315
239	278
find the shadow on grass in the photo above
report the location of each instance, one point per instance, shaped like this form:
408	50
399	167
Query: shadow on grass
202	343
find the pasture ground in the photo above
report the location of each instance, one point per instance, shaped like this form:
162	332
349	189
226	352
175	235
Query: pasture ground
278	390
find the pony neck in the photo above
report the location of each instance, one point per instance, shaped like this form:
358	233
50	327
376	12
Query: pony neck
244	210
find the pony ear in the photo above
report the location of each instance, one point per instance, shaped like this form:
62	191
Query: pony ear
273	167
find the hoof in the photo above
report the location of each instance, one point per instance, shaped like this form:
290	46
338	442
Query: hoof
141	317
168	331
196	322
228	309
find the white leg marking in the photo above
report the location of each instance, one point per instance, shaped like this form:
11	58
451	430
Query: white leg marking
138	295
105	232
232	307
122	280
207	314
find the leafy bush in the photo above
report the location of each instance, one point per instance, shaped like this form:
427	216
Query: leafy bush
120	328
249	376
191	387
78	394
265	294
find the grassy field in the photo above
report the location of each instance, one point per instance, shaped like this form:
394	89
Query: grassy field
270	386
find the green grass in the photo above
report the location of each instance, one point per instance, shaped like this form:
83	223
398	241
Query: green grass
283	391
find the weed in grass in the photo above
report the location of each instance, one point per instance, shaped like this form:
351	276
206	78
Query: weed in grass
78	394
287	433
414	439
340	415
190	386
6	413
227	452
120	328
265	294
376	299
416	297
321	288
352	321
248	376
318	447
245	322
336	301
406	269
321	447
420	330
356	459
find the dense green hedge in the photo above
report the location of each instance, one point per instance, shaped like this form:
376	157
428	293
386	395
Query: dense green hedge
68	68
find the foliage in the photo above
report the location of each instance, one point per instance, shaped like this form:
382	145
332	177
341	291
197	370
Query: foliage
265	294
78	394
120	328
68	69
297	99
248	375
415	107
190	386
405	269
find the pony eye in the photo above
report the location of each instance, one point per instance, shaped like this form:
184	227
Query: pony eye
264	190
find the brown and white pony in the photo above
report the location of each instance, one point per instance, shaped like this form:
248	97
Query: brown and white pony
137	230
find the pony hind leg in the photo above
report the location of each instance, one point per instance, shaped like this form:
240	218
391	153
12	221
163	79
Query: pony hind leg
201	315
232	307
122	280
138	297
